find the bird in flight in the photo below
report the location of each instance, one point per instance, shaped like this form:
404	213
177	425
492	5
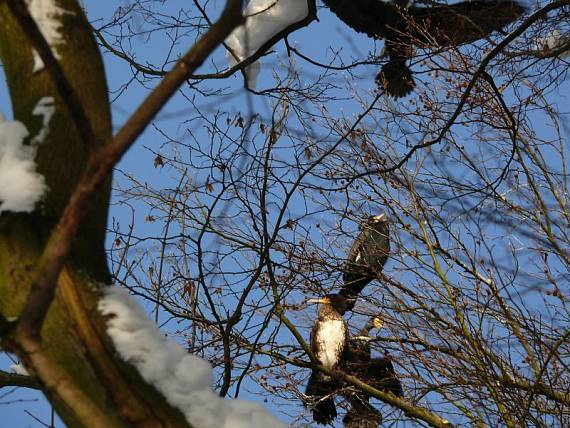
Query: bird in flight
404	24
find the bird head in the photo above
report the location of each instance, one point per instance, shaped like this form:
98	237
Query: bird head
339	302
373	220
377	323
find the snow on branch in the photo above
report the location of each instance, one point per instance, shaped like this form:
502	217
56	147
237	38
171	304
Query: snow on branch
184	379
264	20
18	368
554	42
20	185
48	19
18	380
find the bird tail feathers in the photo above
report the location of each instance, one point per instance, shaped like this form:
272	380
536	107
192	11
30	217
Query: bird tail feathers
362	415
324	410
396	78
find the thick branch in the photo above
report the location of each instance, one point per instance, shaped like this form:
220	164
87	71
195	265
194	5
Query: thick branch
14	379
409	409
99	166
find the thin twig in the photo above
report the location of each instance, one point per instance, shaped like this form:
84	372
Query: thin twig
99	165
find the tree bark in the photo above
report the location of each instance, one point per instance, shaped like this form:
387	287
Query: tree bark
76	365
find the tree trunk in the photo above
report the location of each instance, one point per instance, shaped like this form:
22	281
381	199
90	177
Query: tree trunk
76	365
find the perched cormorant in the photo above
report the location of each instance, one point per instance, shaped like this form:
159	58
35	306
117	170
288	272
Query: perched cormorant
403	25
377	372
367	256
328	342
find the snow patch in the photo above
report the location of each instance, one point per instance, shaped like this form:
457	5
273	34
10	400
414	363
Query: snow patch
20	185
46	108
184	379
264	19
18	368
555	40
47	15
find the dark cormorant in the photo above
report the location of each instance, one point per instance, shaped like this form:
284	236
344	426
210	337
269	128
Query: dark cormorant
367	256
404	25
329	338
377	372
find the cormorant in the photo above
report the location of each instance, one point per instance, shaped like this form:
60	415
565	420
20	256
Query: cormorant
328	342
367	256
377	372
404	25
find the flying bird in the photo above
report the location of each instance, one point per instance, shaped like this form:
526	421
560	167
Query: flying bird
377	372
328	342
404	25
367	256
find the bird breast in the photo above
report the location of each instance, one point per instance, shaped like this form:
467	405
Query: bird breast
331	340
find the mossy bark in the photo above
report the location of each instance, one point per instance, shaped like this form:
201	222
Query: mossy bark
73	335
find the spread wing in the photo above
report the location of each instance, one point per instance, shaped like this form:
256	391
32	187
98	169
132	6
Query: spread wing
438	23
378	373
465	22
381	375
361	414
370	17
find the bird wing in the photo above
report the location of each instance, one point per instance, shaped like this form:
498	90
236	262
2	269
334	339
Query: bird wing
370	17
357	352
366	259
361	414
465	22
324	409
381	375
355	253
355	276
380	247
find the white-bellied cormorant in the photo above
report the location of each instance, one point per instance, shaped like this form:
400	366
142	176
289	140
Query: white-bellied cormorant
328	342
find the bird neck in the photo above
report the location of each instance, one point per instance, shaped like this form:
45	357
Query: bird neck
328	312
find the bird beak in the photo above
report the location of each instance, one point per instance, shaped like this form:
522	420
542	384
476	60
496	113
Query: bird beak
319	300
378	218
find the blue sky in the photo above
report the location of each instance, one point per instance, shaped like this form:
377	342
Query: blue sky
139	160
21	407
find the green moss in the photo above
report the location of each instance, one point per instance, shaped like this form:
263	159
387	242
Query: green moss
73	334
